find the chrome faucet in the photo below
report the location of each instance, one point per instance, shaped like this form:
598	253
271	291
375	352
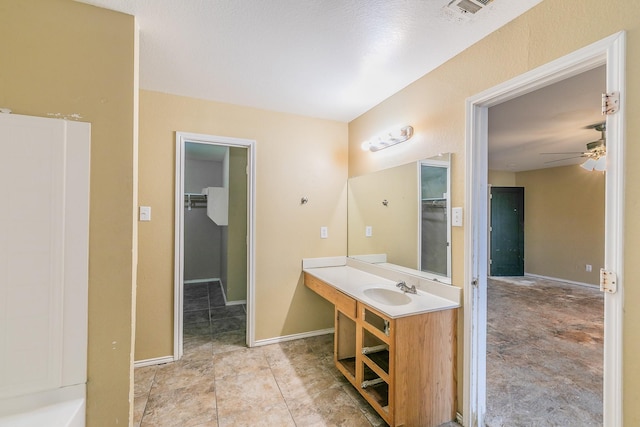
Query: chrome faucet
403	286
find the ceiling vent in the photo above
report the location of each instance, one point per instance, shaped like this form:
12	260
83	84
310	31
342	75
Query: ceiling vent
468	8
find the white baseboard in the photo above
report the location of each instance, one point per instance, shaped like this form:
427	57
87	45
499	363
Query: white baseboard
238	302
154	361
293	337
555	279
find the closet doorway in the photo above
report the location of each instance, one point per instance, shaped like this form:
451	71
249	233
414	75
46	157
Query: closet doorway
213	240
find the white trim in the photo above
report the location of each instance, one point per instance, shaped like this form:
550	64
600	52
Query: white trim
293	337
609	51
250	145
154	361
237	302
614	235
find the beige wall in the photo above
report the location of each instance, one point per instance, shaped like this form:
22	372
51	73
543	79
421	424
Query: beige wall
395	226
563	222
62	57
502	178
296	157
435	106
237	244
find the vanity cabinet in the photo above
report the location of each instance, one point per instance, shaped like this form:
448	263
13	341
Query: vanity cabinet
404	367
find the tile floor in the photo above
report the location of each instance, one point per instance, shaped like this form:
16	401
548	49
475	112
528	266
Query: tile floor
546	375
220	382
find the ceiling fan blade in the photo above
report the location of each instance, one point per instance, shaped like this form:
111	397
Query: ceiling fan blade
566	158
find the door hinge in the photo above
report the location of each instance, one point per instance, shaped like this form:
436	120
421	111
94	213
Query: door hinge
610	103
608	281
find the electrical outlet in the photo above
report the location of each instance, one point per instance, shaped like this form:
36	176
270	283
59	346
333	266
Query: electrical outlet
588	268
324	232
145	213
368	231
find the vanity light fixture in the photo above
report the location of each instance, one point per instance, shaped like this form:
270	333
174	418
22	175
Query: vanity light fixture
388	139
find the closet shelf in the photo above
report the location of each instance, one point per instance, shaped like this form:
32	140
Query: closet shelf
195	200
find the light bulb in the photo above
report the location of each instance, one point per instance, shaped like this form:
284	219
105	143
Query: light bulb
589	164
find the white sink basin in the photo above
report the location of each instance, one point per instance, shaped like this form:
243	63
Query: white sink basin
387	296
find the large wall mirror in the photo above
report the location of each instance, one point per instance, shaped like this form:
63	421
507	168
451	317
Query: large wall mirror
401	217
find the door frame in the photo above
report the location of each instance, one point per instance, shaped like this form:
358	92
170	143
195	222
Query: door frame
609	51
181	139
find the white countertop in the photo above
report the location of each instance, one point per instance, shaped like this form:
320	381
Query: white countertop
353	282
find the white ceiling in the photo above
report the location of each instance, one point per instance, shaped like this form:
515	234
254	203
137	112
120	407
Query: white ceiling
331	59
556	118
336	59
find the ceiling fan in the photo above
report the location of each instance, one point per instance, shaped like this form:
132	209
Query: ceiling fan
596	153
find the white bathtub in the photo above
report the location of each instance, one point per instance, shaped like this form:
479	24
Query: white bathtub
65	407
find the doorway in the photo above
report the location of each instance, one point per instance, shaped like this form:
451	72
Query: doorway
608	52
213	281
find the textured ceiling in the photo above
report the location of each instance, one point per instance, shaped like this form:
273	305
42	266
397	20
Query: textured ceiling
332	59
555	119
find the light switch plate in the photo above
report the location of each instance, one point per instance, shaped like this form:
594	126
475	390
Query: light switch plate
145	213
456	217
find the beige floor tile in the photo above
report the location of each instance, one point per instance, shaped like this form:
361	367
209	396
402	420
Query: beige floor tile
143	379
265	416
139	404
197	344
327	407
184	373
240	362
247	392
321	344
221	382
368	411
185	407
295	382
300	356
228	341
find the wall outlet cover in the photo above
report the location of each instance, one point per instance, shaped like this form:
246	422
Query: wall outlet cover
145	213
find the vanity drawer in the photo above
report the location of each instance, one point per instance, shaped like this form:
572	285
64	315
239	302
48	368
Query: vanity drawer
343	303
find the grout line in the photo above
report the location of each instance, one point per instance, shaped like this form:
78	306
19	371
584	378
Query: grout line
148	394
215	387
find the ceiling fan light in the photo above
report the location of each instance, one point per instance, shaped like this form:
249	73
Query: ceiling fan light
601	164
589	164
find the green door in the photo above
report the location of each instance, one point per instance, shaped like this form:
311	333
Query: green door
507	231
